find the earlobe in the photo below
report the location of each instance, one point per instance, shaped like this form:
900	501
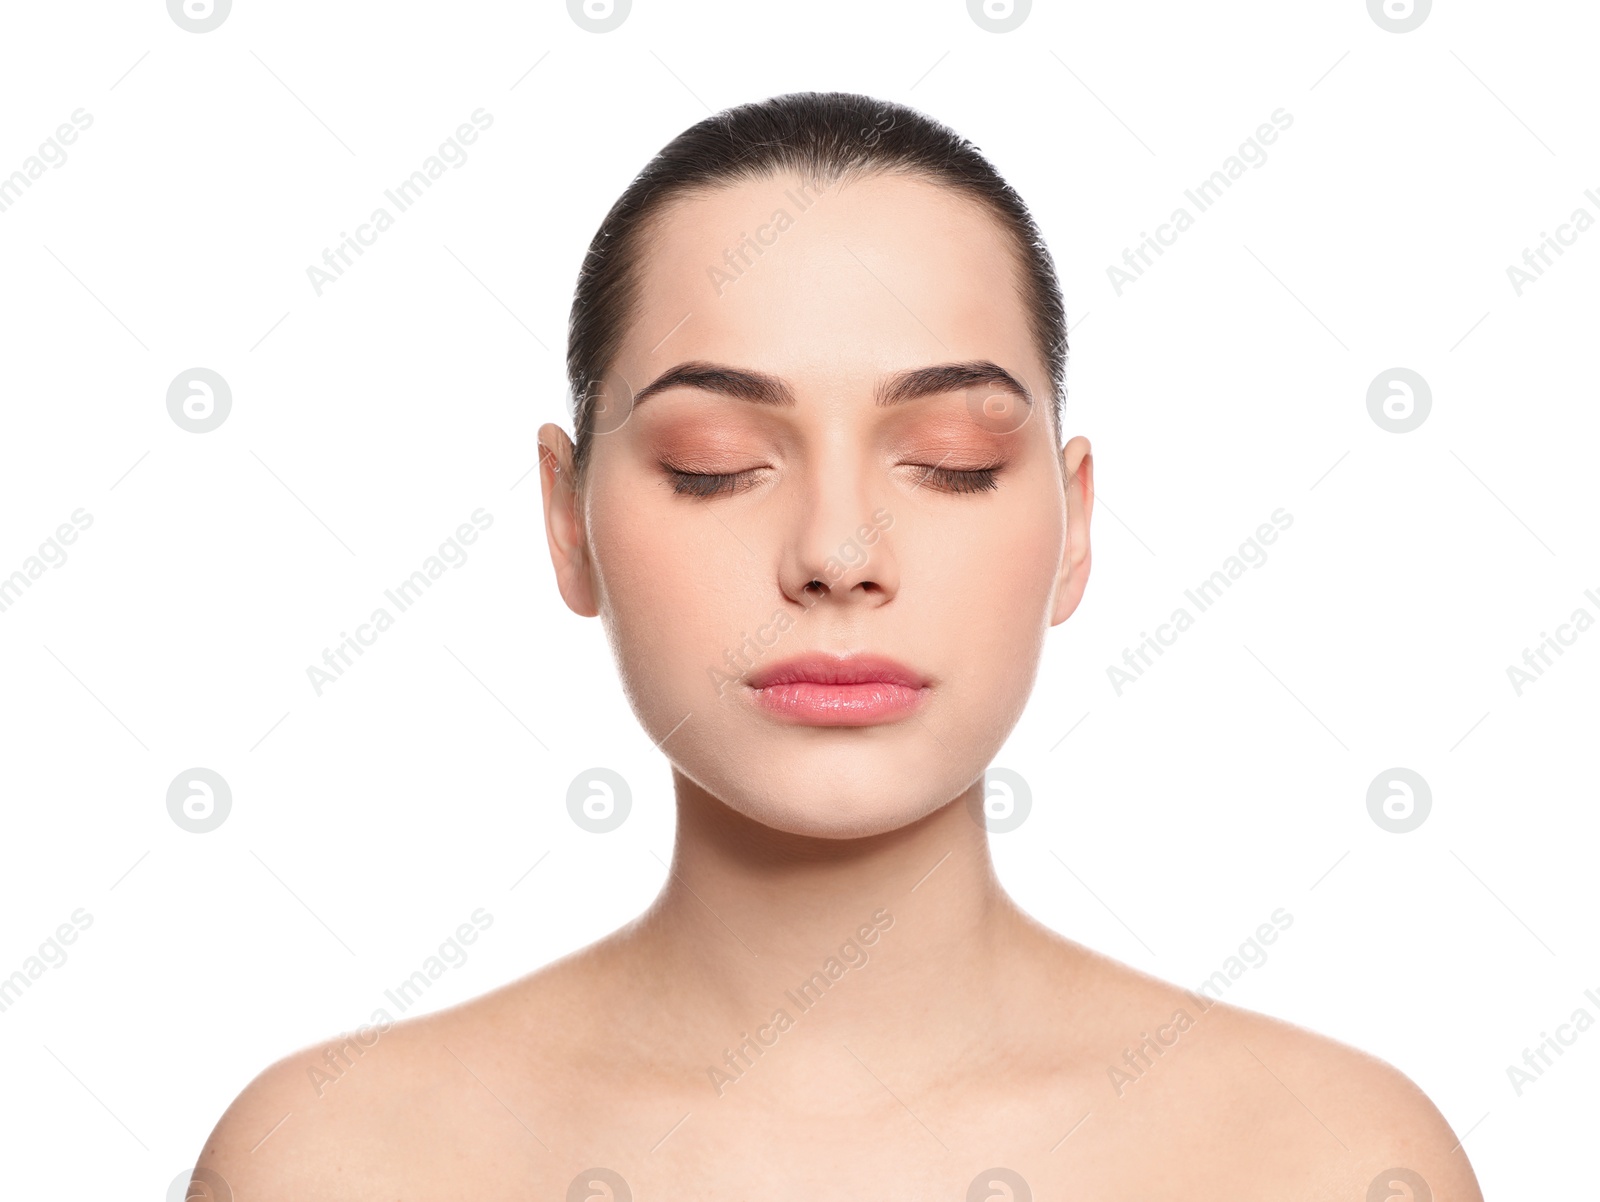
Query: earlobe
1077	461
569	553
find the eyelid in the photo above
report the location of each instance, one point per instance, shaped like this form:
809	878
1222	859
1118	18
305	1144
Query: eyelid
954	480
962	480
705	484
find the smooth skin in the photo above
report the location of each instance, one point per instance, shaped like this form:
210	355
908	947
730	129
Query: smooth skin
960	1035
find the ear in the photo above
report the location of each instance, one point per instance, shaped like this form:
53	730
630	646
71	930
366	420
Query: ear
1077	462
563	522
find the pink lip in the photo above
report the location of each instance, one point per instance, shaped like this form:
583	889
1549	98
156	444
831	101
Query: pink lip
826	690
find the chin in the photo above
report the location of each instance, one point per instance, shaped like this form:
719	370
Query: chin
835	822
843	803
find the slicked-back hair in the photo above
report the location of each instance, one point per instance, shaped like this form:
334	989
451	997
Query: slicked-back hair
824	137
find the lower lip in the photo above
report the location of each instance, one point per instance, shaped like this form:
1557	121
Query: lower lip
813	704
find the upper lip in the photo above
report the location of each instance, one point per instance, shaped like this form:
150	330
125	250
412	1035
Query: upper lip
837	669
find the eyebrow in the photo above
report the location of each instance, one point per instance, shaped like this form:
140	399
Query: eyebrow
763	389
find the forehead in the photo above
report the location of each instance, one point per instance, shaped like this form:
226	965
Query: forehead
829	284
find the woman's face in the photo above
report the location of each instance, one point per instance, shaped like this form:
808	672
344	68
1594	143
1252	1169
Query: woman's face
801	490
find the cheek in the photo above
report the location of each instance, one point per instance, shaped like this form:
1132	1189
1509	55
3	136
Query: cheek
995	571
673	592
993	591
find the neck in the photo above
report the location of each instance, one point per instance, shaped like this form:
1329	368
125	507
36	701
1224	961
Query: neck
843	935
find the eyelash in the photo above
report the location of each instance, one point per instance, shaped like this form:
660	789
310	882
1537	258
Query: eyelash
710	484
980	479
702	484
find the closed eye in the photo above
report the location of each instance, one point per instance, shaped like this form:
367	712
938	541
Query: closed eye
711	484
953	480
706	484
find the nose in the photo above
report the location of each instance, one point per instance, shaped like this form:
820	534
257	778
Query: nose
839	550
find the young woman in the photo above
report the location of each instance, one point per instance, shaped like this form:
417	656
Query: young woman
821	501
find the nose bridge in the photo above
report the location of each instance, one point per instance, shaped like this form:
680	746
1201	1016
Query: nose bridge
841	503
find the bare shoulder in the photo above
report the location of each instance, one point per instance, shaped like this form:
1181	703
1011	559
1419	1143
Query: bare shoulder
392	1109
1366	1124
1252	1105
326	1120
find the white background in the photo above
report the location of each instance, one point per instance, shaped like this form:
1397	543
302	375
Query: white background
370	421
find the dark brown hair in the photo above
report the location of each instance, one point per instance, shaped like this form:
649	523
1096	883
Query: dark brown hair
823	136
